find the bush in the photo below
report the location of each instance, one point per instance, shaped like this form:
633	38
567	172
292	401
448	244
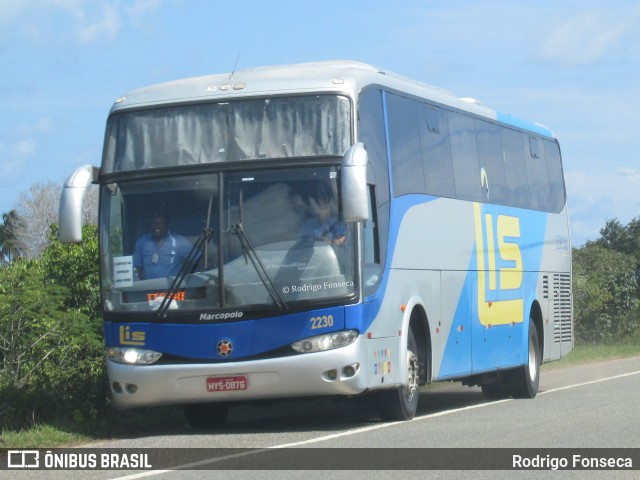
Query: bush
51	346
605	295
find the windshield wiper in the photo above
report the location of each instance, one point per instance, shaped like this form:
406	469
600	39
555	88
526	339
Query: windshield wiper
250	252
187	267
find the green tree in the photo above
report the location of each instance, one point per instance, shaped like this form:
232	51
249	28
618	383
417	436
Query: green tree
624	239
9	248
605	294
76	267
34	336
51	350
31	316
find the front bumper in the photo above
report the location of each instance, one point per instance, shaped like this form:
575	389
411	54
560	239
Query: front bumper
334	372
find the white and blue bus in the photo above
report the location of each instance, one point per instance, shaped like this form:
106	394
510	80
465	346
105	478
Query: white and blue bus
323	229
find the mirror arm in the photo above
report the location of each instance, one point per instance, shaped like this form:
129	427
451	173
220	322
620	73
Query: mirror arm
71	199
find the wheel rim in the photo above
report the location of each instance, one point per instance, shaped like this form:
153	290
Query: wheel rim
533	360
412	365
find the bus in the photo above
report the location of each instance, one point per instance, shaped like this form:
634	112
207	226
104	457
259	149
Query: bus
323	229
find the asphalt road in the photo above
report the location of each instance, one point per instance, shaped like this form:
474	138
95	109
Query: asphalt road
594	405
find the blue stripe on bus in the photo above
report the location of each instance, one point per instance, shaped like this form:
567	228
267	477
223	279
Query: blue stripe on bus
523	124
249	338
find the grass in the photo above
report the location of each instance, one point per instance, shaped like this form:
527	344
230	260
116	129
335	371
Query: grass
119	424
41	436
595	353
169	419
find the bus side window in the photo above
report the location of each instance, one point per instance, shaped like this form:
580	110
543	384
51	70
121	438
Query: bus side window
554	173
539	191
371	246
513	152
491	160
436	152
404	146
464	153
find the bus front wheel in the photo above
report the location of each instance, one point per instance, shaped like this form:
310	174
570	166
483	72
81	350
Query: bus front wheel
402	403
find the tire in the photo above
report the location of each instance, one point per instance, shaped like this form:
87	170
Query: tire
402	403
206	416
524	381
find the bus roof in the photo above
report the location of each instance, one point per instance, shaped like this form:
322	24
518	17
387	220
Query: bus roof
342	76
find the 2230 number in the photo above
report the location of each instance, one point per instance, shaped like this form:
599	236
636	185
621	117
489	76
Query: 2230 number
325	321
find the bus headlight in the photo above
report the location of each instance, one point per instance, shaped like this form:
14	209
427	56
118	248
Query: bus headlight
133	356
324	342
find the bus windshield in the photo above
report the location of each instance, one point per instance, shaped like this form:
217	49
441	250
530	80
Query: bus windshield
260	239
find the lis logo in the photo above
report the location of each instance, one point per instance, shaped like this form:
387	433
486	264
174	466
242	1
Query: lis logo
500	268
131	337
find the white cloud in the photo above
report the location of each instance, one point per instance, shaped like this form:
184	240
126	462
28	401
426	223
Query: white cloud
588	36
16	154
94	26
10	9
140	9
630	174
14	157
597	197
22	148
41	126
90	21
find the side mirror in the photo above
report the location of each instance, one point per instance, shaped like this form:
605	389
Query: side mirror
71	198
355	206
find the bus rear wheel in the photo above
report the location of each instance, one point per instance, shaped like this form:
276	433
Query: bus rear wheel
206	416
402	403
524	381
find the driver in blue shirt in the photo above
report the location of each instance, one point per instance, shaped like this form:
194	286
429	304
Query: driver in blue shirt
159	253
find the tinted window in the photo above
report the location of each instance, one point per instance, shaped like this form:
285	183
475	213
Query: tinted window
494	189
515	168
436	152
534	147
539	188
464	154
371	247
404	144
470	159
371	132
554	174
433	119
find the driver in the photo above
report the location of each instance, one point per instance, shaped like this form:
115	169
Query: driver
159	253
323	225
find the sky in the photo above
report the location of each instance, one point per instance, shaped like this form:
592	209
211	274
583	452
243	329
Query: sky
572	65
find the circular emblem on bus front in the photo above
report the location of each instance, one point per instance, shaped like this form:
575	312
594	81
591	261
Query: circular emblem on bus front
225	347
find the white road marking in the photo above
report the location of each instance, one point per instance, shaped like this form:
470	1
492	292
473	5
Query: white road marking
559	389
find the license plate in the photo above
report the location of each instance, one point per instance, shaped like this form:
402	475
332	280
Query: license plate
227	384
